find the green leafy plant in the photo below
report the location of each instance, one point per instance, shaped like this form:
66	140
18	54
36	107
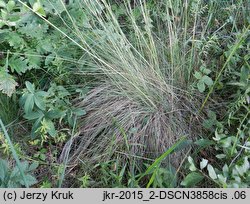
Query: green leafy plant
157	172
203	78
112	173
12	178
45	107
27	44
85	181
46	184
231	149
7	83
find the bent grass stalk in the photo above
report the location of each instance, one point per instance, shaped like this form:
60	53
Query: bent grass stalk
238	133
14	153
153	167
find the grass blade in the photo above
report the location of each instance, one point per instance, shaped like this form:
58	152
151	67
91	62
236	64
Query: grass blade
14	153
66	158
159	160
235	48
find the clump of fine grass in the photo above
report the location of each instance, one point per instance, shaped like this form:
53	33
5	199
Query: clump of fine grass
144	73
143	90
113	117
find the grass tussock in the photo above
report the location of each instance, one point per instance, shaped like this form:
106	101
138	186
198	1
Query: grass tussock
141	105
110	93
116	123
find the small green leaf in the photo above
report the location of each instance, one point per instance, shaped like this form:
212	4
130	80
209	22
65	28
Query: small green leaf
24	166
212	115
226	141
211	172
14	40
201	86
218	136
42	157
33	115
10	5
18	64
34	61
7	84
225	170
192	179
242	169
42	94
51	128
207	80
30	87
192	165
206	71
203	163
220	156
29	103
197	75
2	4
33	166
39	102
31	180
35	126
55	114
37	7
79	112
222	179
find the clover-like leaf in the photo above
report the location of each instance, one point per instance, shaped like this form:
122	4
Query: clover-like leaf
207	80
197	75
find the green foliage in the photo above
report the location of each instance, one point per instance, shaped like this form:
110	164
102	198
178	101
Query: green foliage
11	177
157	172
9	108
157	175
85	181
37	7
163	178
46	184
7	83
212	122
112	173
29	44
5	147
46	107
231	145
205	49
192	179
203	78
